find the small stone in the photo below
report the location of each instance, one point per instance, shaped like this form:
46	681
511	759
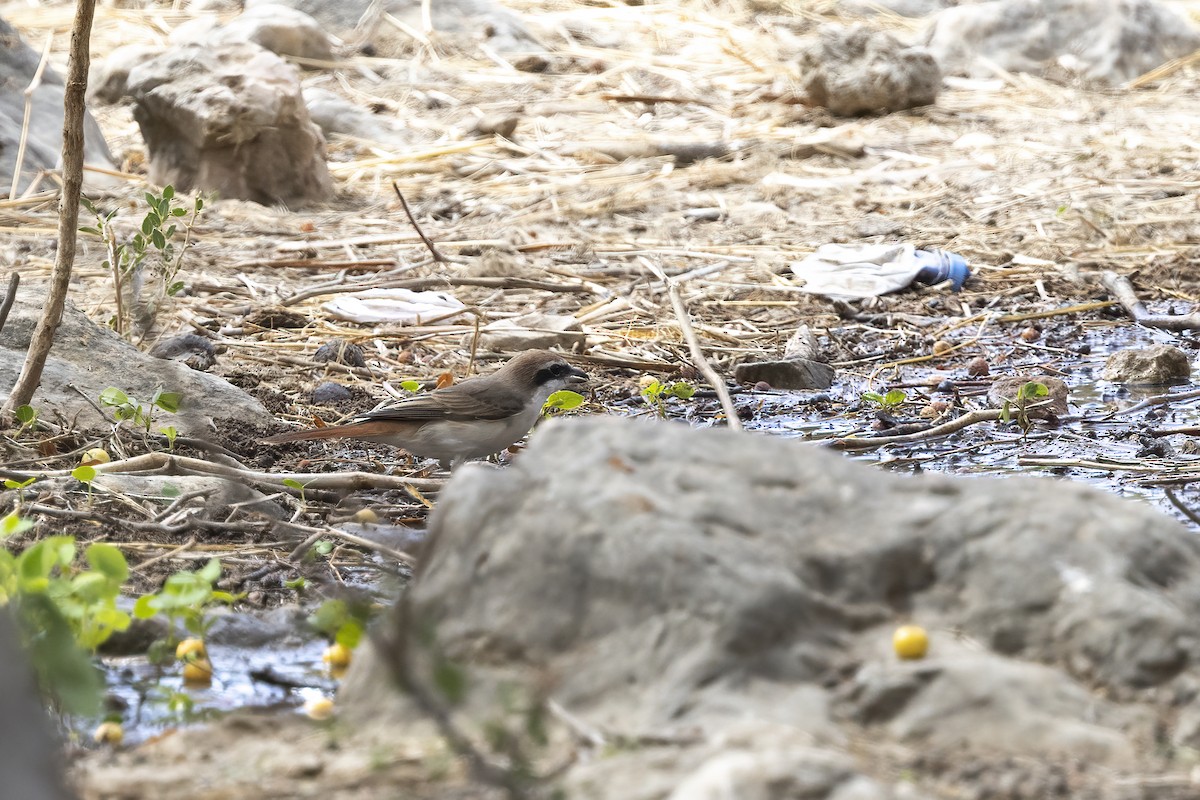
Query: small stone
341	352
1160	364
762	386
275	318
941	347
855	70
798	373
503	125
1030	334
978	367
328	393
195	351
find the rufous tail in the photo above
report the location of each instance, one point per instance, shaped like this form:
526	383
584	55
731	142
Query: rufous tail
355	430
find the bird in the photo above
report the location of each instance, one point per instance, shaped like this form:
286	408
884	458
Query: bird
463	421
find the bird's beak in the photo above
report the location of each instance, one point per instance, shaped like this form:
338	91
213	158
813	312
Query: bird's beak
576	377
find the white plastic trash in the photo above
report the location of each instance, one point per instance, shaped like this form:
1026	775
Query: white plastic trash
399	306
869	270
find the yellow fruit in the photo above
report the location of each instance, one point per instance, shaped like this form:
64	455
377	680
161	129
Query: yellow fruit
109	733
190	650
646	381
941	347
91	458
365	516
337	656
198	672
910	641
319	708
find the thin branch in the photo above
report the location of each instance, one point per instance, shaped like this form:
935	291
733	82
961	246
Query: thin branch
14	280
871	442
1122	290
34	83
689	334
433	251
68	211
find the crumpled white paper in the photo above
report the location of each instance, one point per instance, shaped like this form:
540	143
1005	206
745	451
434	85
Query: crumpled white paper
399	306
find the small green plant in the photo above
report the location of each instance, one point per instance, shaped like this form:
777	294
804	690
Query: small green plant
149	258
19	486
292	483
126	408
1030	396
64	611
342	621
656	393
561	402
186	597
27	417
410	386
85	474
886	402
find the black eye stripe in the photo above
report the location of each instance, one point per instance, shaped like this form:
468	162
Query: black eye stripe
550	373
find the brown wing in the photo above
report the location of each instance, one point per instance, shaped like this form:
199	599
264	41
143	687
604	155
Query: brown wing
475	399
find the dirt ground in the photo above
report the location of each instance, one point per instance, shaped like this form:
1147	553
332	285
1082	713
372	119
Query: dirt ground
1041	186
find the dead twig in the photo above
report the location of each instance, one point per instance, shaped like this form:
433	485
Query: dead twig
68	211
172	464
10	296
1122	290
689	334
429	245
34	83
869	443
315	534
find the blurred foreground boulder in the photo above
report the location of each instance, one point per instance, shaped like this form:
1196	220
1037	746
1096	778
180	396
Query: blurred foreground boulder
29	756
1103	41
714	612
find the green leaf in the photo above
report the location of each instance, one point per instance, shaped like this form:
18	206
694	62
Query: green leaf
872	397
89	229
26	415
108	561
146	606
652	390
168	192
895	397
170	490
11	524
292	483
1033	390
90	587
410	386
84	473
88	204
148	223
175	288
167	401
157	238
210	572
563	400
64	670
296	584
682	390
9	483
324	547
112	396
178	212
199	203
350	634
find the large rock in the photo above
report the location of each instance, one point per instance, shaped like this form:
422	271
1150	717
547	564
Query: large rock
1103	41
1155	365
43	148
229	119
87	359
737	594
855	70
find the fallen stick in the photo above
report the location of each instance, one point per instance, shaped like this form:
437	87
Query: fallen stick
325	480
14	280
1122	290
689	334
868	443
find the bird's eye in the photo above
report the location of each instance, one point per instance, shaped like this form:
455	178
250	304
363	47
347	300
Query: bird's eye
558	370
